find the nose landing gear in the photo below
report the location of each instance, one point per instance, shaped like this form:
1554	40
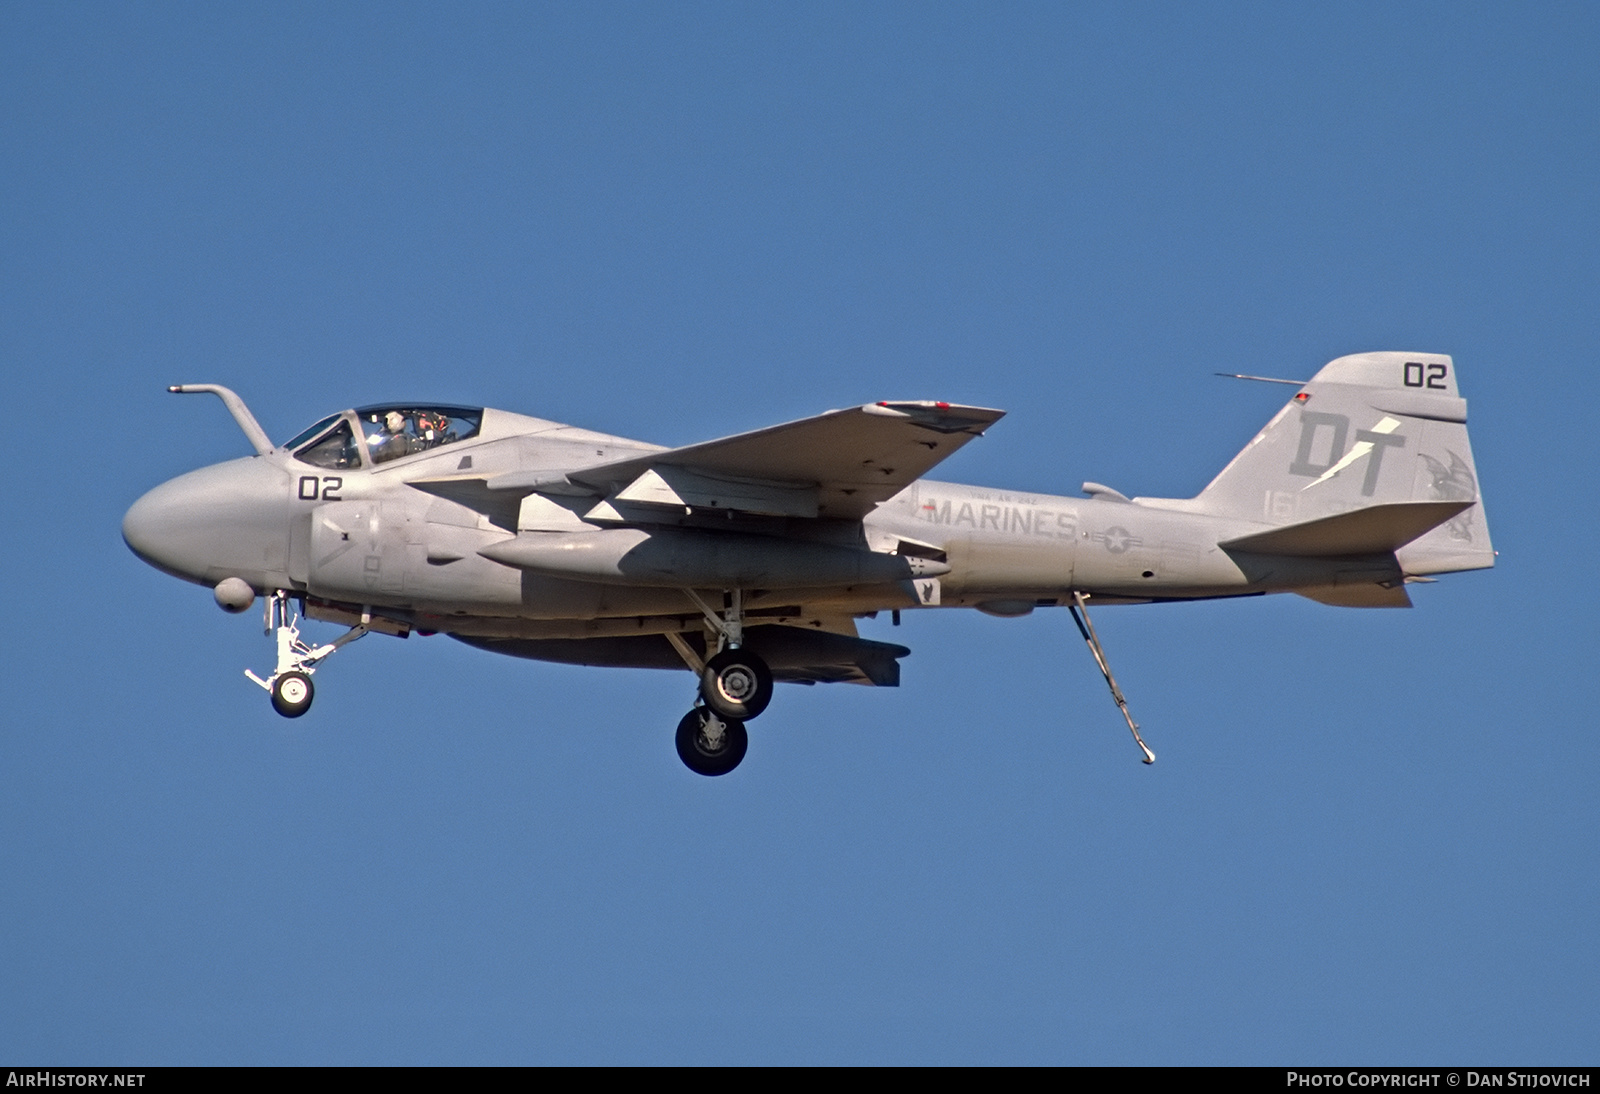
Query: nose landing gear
290	683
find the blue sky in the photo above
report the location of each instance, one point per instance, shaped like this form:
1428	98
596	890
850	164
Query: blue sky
1371	836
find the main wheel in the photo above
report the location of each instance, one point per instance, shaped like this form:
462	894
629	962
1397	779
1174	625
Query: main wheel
292	694
736	684
703	749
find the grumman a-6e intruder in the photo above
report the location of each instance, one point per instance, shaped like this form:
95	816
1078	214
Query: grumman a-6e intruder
748	559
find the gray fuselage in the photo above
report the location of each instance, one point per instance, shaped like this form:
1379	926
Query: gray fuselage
374	536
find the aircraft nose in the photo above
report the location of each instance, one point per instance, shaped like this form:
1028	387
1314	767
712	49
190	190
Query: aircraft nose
228	520
153	527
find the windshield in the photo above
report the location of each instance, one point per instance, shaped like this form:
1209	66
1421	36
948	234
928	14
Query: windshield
306	434
336	450
403	429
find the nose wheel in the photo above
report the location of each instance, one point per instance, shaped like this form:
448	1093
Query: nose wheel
292	694
709	744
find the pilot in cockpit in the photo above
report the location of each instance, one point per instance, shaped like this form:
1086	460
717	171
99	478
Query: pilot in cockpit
392	441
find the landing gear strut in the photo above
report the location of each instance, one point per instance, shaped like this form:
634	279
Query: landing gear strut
1080	615
735	686
290	683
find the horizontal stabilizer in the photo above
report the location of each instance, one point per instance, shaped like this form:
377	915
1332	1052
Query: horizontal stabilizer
1358	596
1374	530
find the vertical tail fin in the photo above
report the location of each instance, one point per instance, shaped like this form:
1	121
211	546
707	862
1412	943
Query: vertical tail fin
1368	430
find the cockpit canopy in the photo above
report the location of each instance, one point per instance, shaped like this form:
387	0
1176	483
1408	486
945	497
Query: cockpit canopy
371	435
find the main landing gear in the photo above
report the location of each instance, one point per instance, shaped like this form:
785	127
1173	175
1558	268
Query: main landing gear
290	683
709	744
735	686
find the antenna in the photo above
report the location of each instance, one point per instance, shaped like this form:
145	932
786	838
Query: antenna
1261	379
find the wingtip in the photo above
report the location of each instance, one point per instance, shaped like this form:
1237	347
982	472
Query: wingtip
933	407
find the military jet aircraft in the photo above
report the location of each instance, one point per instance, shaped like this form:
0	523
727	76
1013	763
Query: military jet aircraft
748	559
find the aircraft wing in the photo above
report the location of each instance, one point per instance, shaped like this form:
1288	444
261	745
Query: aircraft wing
838	465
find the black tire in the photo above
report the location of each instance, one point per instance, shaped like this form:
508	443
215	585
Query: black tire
736	684
292	694
697	754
